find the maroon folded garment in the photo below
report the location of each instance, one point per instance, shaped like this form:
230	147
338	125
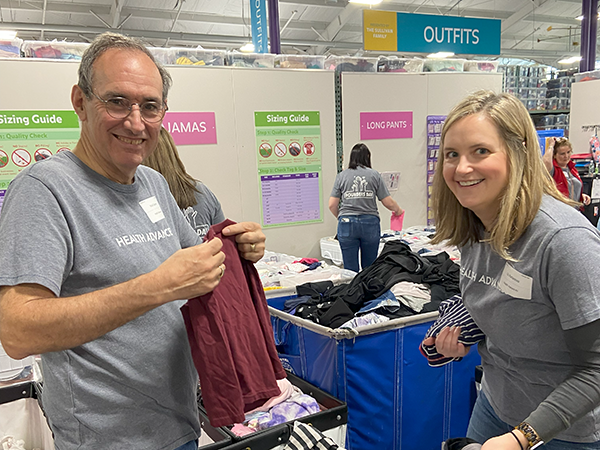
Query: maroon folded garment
232	342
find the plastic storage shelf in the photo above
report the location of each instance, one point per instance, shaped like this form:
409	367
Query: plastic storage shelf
587	76
11	48
395	64
254	60
54	50
188	56
299	62
351	64
444	65
481	66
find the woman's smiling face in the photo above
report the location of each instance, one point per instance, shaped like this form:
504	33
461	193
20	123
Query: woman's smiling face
475	165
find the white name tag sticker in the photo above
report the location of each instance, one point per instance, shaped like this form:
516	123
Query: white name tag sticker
514	283
152	209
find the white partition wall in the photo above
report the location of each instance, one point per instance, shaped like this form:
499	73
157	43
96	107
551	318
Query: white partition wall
28	84
585	98
422	93
285	90
210	89
228	167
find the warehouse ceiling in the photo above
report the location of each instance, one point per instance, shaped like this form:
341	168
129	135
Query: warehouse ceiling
541	30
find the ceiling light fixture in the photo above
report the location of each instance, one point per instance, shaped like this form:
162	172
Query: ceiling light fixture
570	60
581	17
8	34
366	2
247	48
440	55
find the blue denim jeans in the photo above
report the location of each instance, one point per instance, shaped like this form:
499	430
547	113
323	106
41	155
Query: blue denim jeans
485	424
358	232
191	445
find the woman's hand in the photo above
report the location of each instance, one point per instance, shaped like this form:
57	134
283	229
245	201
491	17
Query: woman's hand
506	441
548	157
447	343
586	199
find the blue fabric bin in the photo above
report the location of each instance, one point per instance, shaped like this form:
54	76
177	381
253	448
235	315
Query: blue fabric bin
396	401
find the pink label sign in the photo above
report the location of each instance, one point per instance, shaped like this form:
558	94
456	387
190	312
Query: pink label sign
191	128
386	125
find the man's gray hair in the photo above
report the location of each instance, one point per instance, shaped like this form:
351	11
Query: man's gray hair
106	41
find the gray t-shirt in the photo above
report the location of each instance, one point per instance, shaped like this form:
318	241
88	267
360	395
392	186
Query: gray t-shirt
67	228
358	190
526	308
206	212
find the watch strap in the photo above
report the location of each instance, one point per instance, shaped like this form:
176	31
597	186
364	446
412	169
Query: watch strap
532	437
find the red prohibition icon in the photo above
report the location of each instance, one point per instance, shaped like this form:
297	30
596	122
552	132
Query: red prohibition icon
21	157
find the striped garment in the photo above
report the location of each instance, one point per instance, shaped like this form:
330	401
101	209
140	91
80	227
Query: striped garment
452	313
305	437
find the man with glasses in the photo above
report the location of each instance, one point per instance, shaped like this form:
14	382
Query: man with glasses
98	292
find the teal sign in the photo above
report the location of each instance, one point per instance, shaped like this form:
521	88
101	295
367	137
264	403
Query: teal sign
424	33
258	20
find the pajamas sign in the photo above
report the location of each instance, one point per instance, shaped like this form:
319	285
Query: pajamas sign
191	128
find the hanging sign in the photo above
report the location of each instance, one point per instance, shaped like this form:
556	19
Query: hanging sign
258	15
426	33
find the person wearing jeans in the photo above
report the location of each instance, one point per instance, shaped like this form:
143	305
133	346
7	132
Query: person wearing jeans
358	188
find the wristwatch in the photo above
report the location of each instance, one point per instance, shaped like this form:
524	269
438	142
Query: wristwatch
532	437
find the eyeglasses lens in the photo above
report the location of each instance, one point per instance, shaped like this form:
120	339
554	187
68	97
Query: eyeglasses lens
120	108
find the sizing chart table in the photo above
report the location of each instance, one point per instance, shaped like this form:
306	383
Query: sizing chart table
290	198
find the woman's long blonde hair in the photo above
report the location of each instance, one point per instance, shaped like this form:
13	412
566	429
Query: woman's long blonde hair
165	159
528	178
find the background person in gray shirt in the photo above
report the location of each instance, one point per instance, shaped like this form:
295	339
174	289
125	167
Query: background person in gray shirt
200	206
529	278
359	227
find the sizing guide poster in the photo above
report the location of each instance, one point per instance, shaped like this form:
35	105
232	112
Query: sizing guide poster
288	152
30	136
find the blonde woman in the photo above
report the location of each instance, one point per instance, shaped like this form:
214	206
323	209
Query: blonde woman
199	205
528	278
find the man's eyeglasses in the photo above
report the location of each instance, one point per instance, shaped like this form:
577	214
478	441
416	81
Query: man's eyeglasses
120	108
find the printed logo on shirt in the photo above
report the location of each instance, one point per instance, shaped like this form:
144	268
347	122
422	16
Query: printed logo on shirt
142	238
359	189
484	279
200	228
